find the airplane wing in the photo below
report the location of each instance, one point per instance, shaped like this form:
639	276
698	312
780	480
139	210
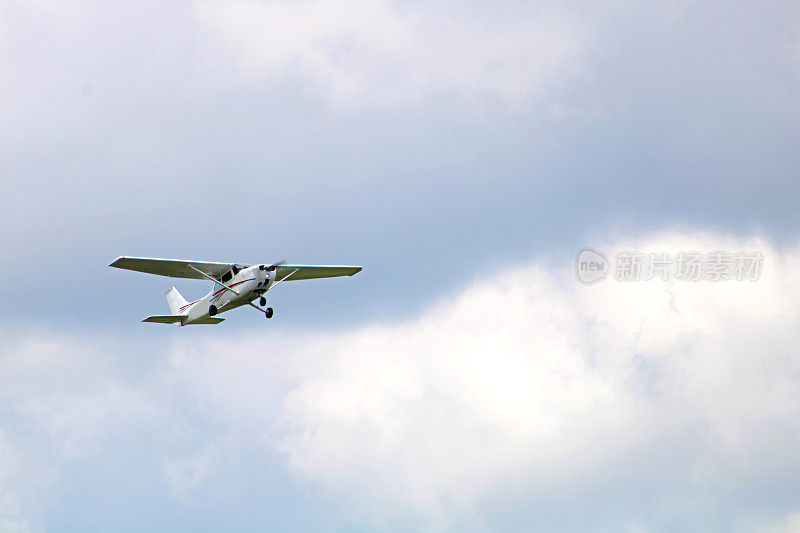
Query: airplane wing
176	268
173	268
314	271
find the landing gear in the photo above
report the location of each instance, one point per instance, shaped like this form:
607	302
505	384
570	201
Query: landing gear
263	301
212	310
268	313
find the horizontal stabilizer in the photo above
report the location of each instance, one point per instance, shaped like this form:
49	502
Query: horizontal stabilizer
207	320
165	319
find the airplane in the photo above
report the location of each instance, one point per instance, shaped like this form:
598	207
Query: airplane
235	285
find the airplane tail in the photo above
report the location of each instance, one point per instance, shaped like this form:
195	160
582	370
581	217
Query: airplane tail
175	300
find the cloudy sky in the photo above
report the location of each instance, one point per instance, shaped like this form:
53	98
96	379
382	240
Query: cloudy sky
464	153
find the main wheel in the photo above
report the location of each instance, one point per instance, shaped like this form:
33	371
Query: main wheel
263	301
269	312
212	310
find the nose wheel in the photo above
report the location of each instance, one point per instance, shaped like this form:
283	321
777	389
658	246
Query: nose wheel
268	312
263	301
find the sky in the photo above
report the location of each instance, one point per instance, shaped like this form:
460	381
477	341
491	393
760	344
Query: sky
464	153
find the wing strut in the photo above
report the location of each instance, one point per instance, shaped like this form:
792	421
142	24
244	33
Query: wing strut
284	279
234	291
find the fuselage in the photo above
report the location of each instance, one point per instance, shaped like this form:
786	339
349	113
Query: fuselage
250	283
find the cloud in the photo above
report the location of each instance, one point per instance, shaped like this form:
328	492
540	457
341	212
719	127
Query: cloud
388	52
65	399
526	396
531	385
12	516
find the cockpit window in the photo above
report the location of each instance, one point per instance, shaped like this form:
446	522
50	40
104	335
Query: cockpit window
236	270
226	277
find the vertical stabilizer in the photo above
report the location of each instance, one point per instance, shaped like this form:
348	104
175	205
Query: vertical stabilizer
176	301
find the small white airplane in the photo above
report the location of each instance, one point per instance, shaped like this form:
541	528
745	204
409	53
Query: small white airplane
235	285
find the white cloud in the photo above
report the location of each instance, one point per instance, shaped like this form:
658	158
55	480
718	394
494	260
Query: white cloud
388	52
12	516
64	398
529	382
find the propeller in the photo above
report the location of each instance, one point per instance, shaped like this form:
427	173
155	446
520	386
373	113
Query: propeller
273	266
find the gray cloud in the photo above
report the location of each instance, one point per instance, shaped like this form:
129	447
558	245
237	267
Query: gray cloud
388	53
131	130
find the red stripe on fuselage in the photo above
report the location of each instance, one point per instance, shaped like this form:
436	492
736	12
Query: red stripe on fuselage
217	292
190	303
